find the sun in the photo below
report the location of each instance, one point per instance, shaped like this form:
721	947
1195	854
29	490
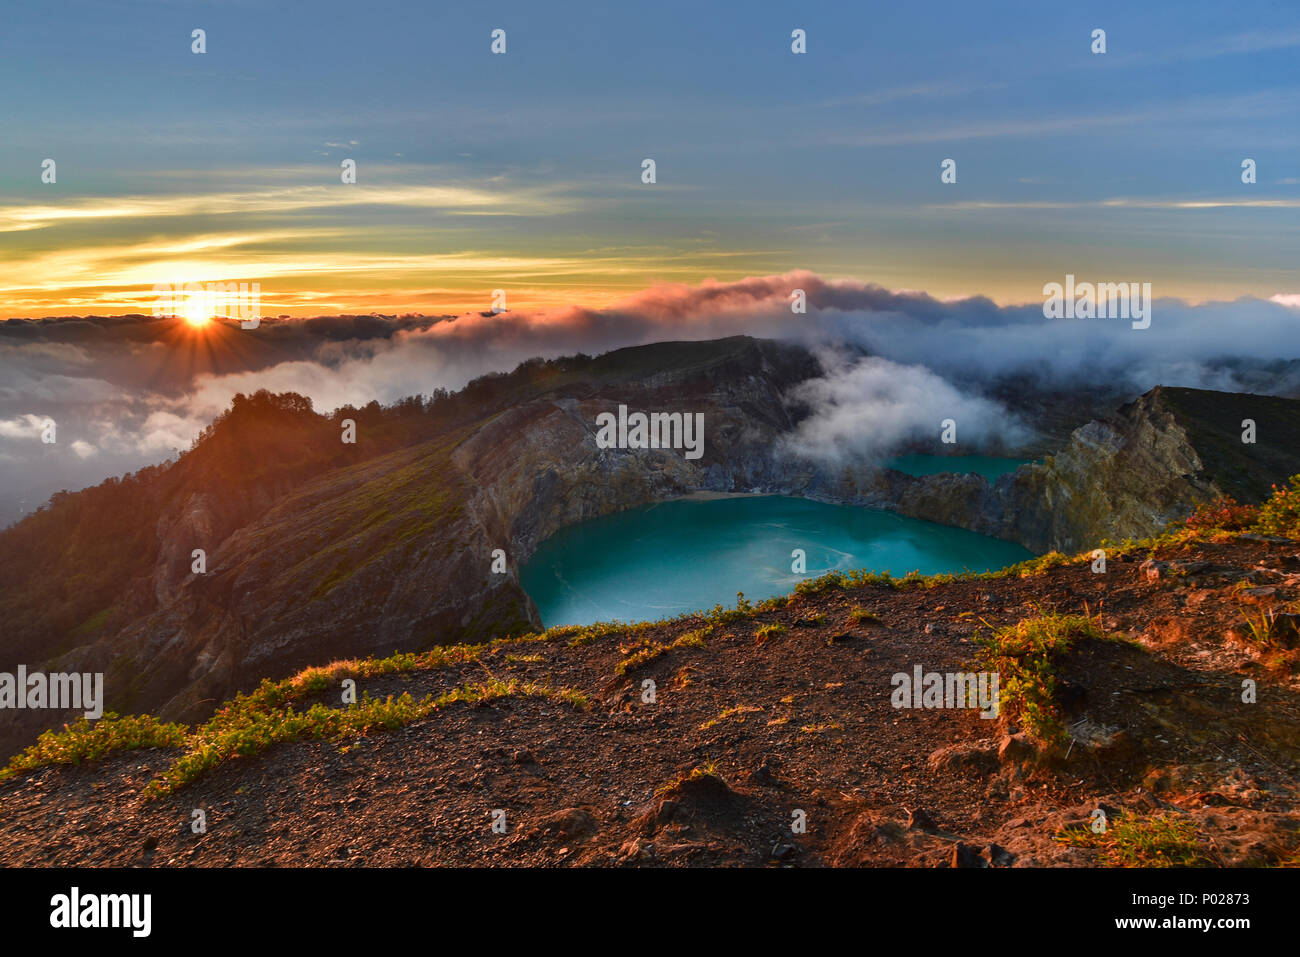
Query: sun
196	310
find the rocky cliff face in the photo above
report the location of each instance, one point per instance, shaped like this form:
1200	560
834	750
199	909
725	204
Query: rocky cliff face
1126	476
538	468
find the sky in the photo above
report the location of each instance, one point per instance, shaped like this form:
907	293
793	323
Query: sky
522	171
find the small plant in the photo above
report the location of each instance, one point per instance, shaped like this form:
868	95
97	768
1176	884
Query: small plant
819	728
723	616
1042	563
1025	654
603	629
739	710
815	586
1260	624
1280	515
1222	513
859	615
1156	840
701	772
693	639
765	632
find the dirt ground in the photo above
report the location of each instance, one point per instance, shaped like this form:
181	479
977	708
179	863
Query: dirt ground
749	736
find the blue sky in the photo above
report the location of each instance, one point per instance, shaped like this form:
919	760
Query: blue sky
521	171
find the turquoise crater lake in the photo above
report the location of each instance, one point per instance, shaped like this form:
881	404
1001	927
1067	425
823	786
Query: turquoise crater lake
687	555
982	465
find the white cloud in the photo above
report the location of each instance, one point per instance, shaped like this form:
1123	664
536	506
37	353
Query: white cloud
872	406
26	426
112	387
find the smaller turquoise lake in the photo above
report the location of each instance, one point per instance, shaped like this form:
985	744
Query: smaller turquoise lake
983	465
687	555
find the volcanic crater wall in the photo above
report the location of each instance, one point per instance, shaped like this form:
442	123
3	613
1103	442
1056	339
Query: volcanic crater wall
394	552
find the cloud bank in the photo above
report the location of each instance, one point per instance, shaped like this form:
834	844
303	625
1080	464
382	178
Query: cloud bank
128	391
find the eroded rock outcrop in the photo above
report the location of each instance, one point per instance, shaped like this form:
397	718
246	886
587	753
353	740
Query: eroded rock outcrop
1127	476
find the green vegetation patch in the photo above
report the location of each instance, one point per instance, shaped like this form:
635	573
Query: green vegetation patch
706	773
579	635
251	722
92	624
245	732
738	712
1025	655
1278	515
858	615
1155	840
83	741
637	654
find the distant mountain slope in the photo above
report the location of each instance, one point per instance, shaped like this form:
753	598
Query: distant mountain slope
1215	422
1129	475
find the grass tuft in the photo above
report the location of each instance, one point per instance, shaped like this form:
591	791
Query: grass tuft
858	615
1025	656
1155	840
739	711
638	653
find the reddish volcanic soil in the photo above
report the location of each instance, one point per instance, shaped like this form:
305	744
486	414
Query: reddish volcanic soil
798	721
